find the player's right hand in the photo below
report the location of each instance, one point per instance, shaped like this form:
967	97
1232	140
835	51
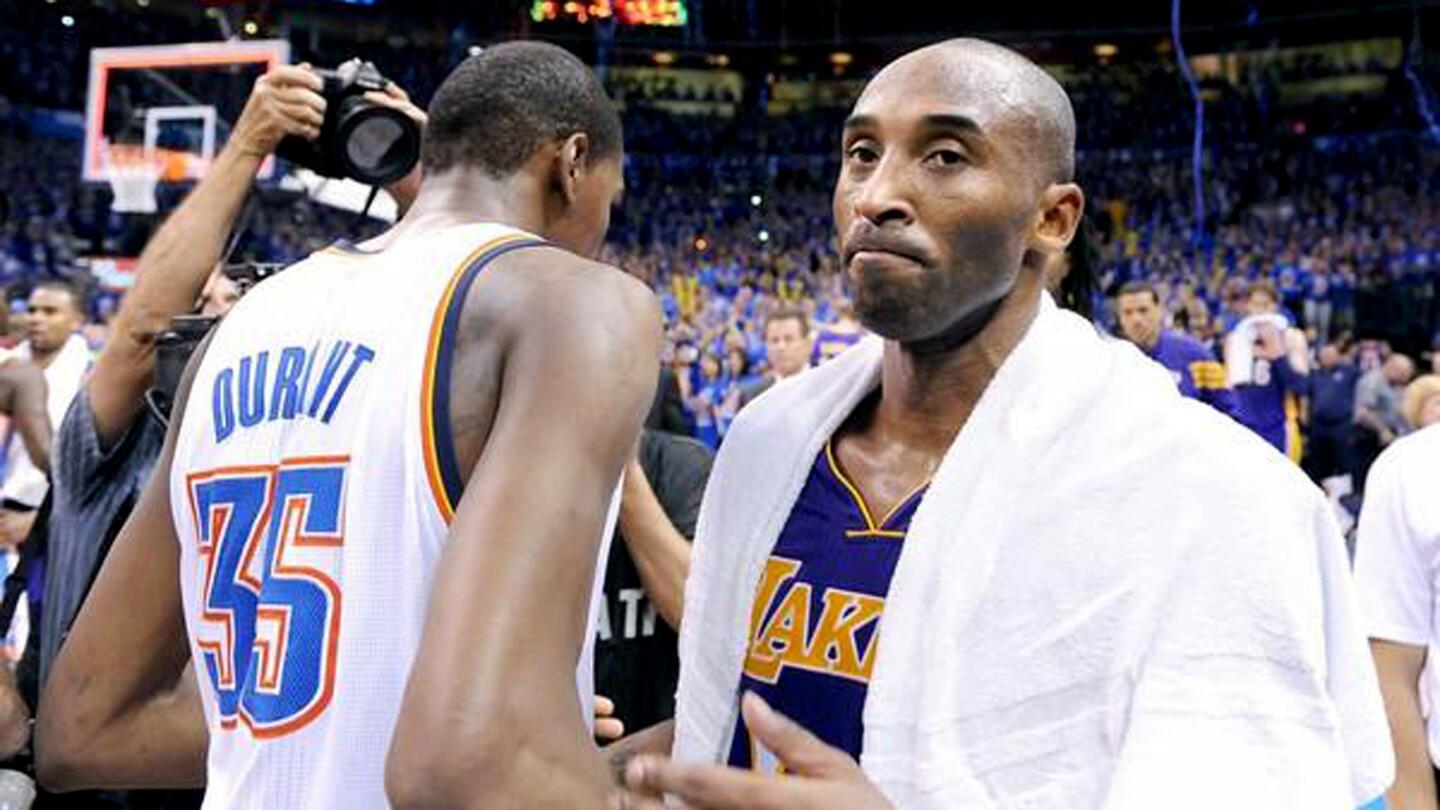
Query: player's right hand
285	101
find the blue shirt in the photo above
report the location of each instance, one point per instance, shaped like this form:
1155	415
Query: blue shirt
1332	398
817	612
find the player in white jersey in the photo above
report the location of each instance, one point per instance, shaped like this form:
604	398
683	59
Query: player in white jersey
376	523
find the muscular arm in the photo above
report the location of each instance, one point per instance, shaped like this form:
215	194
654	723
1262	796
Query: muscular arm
1399	667
117	711
23	391
175	264
491	715
660	552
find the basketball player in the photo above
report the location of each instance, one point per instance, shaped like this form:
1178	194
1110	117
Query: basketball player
1269	402
377	530
1041	676
1194	368
23	399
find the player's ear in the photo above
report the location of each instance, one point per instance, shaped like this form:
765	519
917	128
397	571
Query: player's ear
571	163
1058	217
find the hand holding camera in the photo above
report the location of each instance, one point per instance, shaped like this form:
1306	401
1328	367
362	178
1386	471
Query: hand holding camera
285	101
369	131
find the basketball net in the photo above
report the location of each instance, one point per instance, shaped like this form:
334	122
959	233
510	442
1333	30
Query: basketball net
133	172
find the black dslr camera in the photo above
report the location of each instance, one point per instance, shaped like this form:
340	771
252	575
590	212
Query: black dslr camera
364	141
172	353
174	346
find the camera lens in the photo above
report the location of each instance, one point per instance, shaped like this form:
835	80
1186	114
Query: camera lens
378	145
371	141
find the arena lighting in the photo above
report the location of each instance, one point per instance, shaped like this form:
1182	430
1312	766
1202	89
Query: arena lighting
701	244
763	236
756	199
475	50
67	21
841	58
663	57
142	3
251	28
672	13
718	60
1105	50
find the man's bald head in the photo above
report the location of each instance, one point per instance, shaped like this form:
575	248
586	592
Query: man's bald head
970	70
955	179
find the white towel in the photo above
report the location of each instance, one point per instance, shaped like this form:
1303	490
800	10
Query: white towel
1240	346
1110	597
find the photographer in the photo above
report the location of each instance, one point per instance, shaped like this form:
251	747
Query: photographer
108	443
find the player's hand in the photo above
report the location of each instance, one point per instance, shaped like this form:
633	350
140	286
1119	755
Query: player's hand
818	776
608	727
407	188
285	101
1270	345
15	527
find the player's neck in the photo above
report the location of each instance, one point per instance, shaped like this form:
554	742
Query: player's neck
462	196
42	357
927	395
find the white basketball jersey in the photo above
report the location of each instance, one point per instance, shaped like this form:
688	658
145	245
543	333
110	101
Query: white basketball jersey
313	484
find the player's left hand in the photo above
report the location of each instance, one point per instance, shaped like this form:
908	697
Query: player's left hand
817	775
407	188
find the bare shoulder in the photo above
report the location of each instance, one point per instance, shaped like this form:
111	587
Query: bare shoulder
531	291
21	371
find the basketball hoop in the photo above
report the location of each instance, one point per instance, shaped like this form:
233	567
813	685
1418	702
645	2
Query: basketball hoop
133	172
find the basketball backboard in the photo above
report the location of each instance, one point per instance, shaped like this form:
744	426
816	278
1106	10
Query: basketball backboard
173	103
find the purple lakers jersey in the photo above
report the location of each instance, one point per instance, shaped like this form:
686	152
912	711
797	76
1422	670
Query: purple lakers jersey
1196	372
830	343
813	627
1270	405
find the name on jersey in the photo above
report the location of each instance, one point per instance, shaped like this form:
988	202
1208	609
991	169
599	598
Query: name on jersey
832	647
286	384
637	621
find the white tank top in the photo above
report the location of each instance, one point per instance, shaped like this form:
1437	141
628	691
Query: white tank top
312	489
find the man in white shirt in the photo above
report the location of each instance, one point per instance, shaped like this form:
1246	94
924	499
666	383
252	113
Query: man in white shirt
52	343
1395	576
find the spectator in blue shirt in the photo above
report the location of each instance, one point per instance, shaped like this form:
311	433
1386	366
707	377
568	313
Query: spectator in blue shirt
1332	410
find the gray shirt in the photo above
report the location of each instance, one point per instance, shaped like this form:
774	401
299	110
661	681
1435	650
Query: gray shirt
1374	392
93	489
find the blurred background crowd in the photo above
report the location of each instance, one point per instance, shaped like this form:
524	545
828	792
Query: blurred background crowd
1318	174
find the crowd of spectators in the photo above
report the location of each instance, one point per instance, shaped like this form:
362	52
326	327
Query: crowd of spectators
728	217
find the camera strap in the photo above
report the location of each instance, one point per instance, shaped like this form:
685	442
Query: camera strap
364	212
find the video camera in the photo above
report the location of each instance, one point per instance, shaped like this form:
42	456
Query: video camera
175	345
359	139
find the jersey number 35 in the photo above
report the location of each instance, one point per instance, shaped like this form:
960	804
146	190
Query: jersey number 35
270	613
